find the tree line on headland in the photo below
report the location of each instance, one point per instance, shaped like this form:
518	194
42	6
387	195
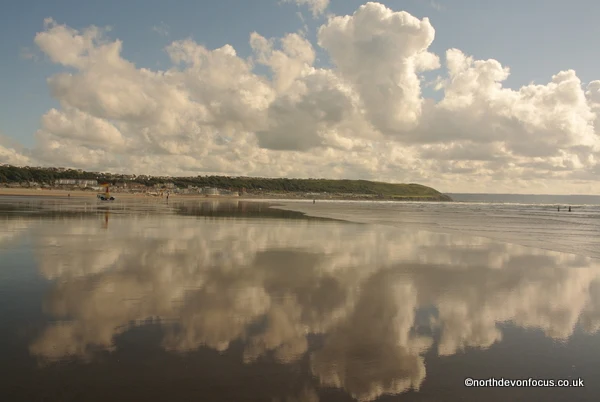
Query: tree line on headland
49	177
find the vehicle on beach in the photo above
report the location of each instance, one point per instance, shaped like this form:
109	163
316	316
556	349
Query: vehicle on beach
106	195
103	197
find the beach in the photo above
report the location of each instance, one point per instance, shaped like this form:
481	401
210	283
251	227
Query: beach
534	225
233	299
25	192
537	224
37	192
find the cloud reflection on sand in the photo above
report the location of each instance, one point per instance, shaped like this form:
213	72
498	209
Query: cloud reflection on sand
11	231
210	282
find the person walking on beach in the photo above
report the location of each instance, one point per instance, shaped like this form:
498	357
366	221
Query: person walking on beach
314	201
569	209
558	209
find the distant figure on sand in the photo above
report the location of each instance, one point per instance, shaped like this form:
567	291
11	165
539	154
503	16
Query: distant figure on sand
558	209
569	209
314	201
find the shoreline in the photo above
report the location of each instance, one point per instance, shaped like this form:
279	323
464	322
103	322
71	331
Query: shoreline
20	192
539	232
453	218
25	192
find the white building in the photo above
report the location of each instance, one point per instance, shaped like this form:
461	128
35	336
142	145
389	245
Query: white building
87	183
210	191
67	182
77	182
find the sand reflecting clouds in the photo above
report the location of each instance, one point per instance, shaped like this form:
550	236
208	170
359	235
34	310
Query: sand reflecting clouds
11	230
271	285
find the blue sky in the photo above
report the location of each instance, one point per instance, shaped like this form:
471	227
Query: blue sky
362	113
535	38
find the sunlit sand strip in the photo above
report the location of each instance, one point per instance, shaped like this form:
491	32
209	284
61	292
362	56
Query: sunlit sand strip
24	192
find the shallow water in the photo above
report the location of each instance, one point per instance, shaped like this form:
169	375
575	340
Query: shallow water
236	301
535	225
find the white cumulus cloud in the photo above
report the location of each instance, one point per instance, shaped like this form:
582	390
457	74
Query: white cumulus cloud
317	7
361	115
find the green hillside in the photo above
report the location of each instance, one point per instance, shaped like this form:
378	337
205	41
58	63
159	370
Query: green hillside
49	176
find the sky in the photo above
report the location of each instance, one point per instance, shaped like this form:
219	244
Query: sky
463	96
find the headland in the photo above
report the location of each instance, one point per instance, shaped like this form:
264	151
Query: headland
36	181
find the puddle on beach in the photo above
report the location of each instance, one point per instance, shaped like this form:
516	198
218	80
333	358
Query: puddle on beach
236	301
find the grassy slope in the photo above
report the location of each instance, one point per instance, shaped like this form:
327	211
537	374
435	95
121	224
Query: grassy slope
386	190
13	174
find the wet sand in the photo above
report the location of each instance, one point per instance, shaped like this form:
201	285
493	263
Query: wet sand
239	301
539	226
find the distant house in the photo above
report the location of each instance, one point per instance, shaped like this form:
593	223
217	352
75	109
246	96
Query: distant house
67	182
77	182
210	191
87	183
164	185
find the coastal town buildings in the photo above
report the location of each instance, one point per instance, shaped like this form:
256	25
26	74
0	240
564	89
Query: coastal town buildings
77	182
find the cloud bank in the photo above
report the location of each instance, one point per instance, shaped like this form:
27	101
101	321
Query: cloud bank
365	116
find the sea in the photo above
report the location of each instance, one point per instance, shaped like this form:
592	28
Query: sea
541	221
528	199
485	298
